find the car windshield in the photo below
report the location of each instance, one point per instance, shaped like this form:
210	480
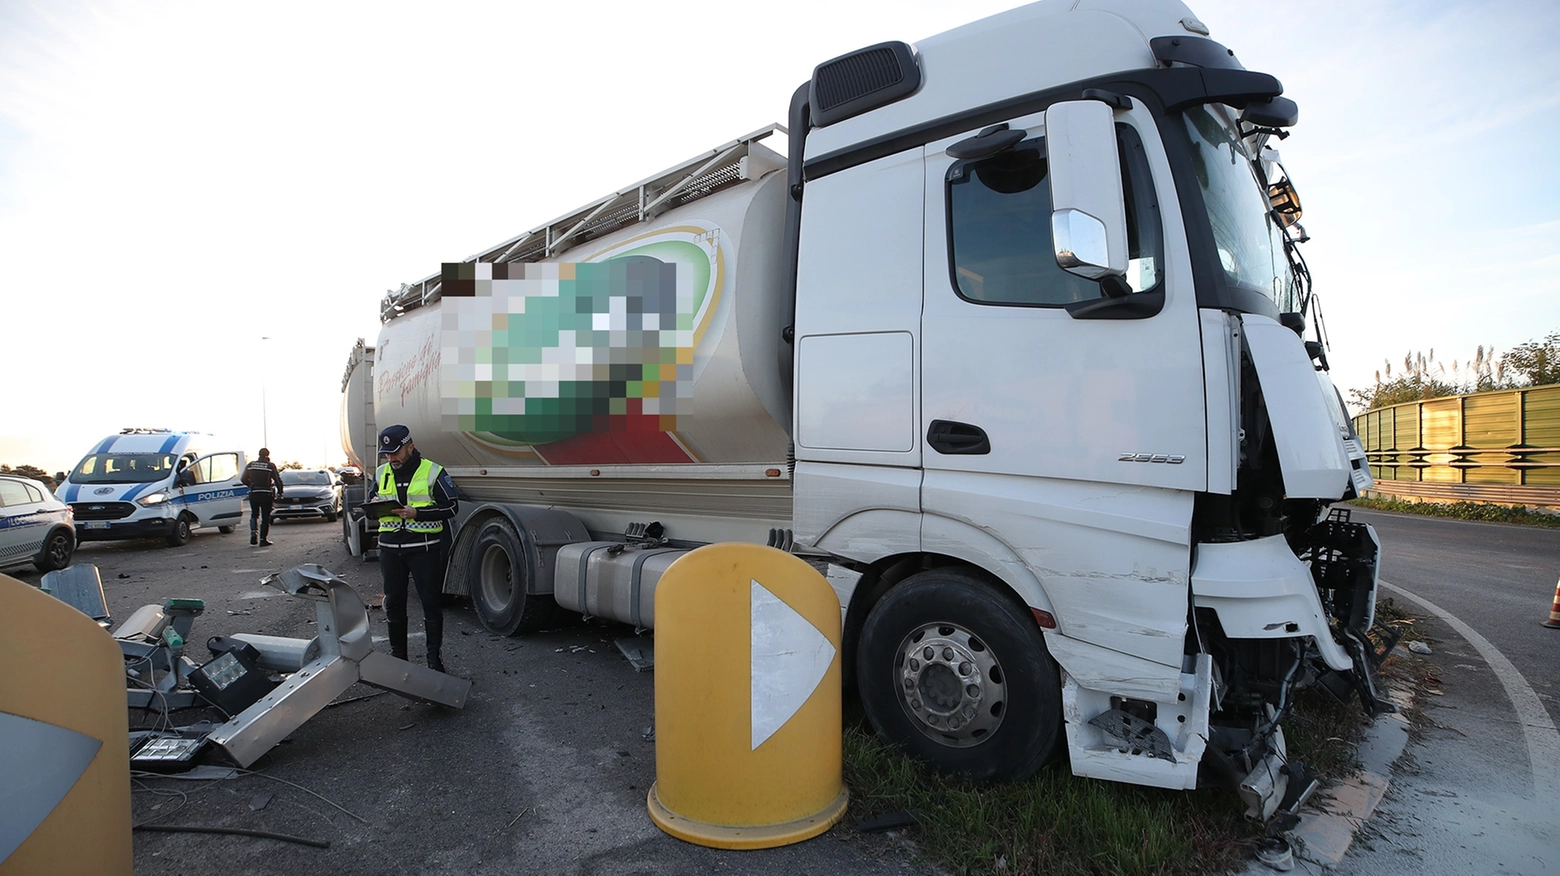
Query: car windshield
123	468
292	477
1248	236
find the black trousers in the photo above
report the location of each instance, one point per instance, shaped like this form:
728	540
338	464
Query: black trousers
260	505
426	568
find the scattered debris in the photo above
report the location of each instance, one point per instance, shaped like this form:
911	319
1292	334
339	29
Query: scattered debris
1419	647
640	652
259	802
887	821
1274	852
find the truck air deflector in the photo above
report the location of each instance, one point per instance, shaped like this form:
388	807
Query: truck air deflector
1176	88
1310	448
863	80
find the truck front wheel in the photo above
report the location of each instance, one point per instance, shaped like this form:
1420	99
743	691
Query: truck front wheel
498	580
959	674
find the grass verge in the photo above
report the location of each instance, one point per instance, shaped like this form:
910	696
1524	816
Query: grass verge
1053	823
1465	511
1056	823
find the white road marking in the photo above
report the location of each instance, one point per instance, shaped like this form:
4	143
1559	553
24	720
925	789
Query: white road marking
1543	741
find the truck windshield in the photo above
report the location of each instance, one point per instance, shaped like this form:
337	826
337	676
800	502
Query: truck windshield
123	468
1249	238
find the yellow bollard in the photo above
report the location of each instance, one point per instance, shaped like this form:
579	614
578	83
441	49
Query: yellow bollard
747	700
65	765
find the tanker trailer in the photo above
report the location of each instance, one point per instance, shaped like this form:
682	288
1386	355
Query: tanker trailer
358	439
1012	338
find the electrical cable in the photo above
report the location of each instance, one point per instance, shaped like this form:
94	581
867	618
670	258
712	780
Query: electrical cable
244	772
234	831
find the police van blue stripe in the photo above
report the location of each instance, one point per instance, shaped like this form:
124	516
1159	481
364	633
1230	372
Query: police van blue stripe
167	446
137	490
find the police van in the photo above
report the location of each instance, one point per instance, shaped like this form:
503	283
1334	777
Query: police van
155	483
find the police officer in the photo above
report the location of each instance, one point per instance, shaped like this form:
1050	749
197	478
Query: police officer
265	486
413	537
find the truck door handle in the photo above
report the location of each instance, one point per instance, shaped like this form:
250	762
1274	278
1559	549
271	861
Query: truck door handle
957	439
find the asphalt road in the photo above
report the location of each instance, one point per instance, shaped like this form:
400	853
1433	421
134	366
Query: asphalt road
545	770
1479	790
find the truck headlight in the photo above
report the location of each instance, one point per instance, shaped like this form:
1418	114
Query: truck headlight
151	499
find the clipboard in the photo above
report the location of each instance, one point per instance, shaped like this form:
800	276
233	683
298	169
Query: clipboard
380	507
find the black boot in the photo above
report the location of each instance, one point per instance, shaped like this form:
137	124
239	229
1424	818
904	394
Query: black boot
434	627
397	631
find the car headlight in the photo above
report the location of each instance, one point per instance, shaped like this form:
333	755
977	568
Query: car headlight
151	499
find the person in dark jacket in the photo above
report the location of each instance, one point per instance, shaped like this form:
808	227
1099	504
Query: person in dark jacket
265	485
413	537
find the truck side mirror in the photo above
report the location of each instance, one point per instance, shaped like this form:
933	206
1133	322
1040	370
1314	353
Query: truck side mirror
1089	214
186	478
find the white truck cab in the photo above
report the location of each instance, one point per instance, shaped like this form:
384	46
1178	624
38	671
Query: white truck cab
155	483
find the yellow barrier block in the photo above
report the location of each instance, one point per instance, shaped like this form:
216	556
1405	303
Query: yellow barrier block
65	764
747	699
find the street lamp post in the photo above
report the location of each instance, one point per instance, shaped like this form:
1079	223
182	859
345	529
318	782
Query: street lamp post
265	431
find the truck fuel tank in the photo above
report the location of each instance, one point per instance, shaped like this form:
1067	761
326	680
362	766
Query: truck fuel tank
612	579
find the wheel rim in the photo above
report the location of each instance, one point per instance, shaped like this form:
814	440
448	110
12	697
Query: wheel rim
59	549
950	684
493	576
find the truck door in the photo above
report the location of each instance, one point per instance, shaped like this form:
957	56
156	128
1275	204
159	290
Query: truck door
1077	441
215	498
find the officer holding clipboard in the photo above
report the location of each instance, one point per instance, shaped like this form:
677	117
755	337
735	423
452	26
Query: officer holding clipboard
414	502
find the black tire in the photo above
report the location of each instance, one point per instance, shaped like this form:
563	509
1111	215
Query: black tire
958	673
498	579
58	548
179	533
225	530
330	516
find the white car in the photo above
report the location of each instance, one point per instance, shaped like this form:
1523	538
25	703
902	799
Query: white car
308	493
35	527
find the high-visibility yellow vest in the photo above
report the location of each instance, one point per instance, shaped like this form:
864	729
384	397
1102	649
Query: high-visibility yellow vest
419	494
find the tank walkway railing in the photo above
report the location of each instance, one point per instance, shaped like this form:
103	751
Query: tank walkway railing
698	177
1501	447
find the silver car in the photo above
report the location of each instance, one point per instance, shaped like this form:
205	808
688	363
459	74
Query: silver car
35	527
308	492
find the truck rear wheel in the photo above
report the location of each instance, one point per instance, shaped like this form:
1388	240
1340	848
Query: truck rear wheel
499	581
959	675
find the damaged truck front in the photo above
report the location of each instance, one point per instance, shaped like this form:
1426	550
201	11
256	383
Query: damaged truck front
1013	336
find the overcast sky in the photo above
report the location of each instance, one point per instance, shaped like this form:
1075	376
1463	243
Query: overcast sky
179	180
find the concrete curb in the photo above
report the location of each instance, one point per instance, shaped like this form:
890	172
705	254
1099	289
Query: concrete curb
1332	817
1325	835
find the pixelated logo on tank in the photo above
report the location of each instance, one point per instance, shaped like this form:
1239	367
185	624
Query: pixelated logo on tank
534	353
